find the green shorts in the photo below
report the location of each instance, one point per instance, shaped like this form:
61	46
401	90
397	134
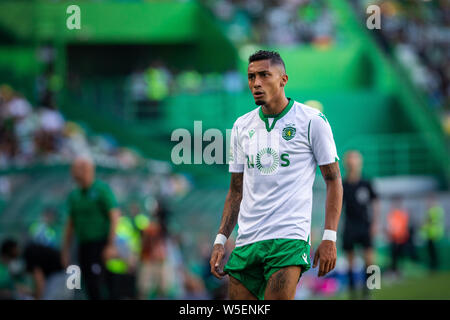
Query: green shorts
253	264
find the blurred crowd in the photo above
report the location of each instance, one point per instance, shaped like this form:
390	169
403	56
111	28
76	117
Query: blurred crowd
275	22
40	134
417	34
149	262
150	86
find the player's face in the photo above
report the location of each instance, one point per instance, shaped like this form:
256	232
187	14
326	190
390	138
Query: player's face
266	81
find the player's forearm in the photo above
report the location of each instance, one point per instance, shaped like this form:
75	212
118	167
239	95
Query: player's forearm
333	204
230	213
232	203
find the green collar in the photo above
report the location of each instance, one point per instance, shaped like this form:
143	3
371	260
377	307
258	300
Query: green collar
265	117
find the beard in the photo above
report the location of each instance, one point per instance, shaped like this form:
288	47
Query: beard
260	102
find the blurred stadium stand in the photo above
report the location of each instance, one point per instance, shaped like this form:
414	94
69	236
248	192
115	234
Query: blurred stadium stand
137	70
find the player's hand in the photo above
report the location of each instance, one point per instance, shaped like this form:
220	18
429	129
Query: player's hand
216	261
325	255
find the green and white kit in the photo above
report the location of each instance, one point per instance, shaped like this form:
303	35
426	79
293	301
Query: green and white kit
279	156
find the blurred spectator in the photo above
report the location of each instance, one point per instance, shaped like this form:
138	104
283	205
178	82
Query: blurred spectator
233	81
189	81
397	231
433	230
93	218
360	227
36	135
44	266
51	126
153	279
43	231
158	80
14	109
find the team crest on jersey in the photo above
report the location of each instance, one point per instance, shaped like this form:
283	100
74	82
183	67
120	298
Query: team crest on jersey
267	161
288	132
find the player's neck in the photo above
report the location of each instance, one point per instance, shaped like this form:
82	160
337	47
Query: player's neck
275	107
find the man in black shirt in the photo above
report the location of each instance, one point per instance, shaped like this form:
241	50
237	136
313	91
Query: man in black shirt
359	225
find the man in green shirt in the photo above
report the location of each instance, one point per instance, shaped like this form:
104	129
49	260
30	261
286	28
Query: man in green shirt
93	217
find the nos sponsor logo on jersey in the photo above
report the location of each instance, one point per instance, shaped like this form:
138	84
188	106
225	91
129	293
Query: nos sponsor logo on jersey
268	161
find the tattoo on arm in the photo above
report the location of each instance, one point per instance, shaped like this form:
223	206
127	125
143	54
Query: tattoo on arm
232	204
330	171
333	203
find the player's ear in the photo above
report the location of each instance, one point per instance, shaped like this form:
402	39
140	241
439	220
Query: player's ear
284	80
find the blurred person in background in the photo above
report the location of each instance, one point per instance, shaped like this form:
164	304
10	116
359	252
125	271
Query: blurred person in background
43	231
93	218
397	232
359	227
158	79
189	81
433	230
153	281
13	109
43	264
124	266
51	125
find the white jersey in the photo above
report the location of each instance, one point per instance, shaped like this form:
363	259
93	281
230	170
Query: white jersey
279	157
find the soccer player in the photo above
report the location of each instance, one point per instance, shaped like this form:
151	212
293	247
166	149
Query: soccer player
359	226
274	153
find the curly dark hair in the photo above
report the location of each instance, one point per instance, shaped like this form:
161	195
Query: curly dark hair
273	56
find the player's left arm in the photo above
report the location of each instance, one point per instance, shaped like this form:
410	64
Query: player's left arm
326	253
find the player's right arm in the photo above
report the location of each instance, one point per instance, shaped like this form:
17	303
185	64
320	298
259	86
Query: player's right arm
229	220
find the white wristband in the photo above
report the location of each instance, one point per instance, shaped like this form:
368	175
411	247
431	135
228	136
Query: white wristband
329	235
221	239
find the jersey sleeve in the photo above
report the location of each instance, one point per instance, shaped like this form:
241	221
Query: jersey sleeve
236	155
322	141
